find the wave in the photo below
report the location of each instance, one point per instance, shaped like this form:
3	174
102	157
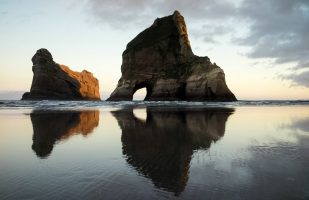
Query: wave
48	104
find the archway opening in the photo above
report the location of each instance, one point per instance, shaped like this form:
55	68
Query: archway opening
140	94
142	91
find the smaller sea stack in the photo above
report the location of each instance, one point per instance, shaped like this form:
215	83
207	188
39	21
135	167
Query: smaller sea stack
52	81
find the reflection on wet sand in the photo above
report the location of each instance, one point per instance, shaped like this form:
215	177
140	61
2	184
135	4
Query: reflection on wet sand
48	127
161	147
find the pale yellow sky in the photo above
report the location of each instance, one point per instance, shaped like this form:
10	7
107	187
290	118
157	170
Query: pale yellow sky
82	39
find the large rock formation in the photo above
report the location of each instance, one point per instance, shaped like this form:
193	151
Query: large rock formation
58	82
161	59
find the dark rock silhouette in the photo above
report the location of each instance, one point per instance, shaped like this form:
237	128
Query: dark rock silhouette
161	147
48	127
160	59
58	82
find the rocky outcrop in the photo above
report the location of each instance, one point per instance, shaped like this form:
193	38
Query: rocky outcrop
58	82
161	146
161	59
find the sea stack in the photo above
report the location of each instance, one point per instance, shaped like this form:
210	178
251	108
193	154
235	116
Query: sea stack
52	81
161	60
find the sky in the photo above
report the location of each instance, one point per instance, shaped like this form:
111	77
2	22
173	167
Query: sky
262	46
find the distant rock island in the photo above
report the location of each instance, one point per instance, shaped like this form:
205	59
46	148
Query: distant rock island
52	81
161	60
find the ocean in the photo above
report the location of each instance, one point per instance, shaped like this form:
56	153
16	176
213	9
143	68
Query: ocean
154	150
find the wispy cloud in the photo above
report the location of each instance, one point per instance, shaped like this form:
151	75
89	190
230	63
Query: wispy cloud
123	13
298	78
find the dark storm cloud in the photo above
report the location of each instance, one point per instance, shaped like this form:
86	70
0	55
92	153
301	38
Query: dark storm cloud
277	29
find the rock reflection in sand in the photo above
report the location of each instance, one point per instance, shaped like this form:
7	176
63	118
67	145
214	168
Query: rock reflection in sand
161	147
50	127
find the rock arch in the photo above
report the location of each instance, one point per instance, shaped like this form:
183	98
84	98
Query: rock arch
161	59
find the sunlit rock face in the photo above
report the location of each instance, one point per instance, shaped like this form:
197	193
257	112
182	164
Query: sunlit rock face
161	59
50	127
161	146
54	81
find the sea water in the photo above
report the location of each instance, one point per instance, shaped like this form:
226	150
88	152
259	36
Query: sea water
154	150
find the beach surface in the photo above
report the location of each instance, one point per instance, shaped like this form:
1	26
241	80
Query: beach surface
154	150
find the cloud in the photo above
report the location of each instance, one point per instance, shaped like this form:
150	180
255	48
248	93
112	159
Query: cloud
278	30
298	78
123	13
118	13
273	29
211	33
